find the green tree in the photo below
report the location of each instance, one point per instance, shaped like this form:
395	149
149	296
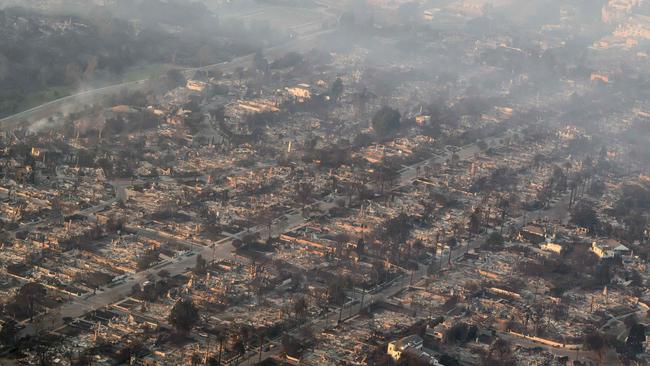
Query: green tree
386	175
635	339
175	77
291	59
396	231
499	354
602	274
304	193
183	316
9	332
335	291
239	348
201	265
595	341
386	122
584	215
337	89
221	336
494	240
300	307
30	295
475	221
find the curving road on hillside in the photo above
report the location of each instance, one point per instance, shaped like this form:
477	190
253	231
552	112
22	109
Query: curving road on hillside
304	33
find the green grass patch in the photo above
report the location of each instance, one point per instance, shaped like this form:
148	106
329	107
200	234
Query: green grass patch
144	72
16	101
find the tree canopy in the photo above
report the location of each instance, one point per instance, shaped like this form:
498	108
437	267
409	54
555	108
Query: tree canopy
386	121
184	315
29	296
584	215
494	240
337	89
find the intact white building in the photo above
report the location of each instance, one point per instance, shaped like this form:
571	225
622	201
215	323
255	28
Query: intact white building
609	249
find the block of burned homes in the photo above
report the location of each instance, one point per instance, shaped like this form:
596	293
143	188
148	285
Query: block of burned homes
349	342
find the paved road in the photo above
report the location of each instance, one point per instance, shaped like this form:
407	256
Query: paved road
78	306
65	104
369	298
331	319
81	305
284	17
303	39
88	212
224	250
407	176
558	351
